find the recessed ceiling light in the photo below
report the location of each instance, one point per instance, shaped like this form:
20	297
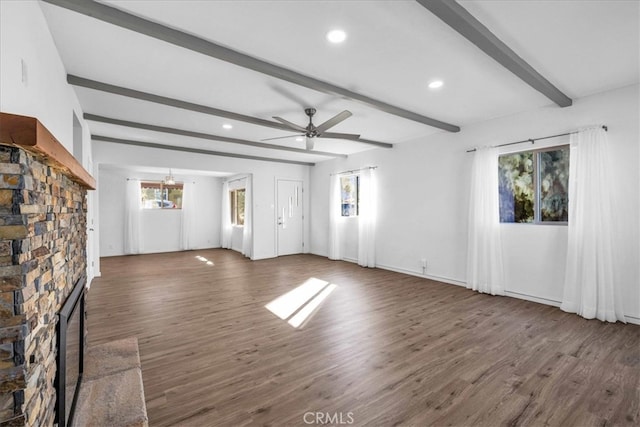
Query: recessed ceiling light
436	84
336	36
299	139
227	126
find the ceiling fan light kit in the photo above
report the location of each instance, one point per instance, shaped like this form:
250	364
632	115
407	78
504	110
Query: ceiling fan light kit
312	131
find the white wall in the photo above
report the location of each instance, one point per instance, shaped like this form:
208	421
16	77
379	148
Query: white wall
423	200
160	228
44	93
33	82
264	182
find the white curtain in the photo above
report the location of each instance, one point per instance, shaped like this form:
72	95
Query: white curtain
335	216
132	240
188	214
367	219
225	217
590	288
247	232
485	271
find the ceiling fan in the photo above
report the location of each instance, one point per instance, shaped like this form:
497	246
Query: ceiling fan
312	131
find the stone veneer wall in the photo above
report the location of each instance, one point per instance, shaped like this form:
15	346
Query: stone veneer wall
42	255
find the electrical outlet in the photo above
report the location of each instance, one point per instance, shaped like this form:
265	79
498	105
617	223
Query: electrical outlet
424	263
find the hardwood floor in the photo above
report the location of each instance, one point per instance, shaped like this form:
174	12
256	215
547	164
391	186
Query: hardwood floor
383	349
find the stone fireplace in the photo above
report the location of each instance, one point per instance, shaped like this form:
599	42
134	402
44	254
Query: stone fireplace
42	255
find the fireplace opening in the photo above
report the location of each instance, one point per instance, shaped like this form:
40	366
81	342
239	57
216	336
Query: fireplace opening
70	353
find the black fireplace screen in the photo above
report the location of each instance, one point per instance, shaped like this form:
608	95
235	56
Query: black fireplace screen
70	353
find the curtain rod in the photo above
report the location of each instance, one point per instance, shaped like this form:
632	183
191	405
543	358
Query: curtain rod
153	180
354	170
237	179
533	140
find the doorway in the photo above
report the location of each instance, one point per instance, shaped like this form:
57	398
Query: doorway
290	214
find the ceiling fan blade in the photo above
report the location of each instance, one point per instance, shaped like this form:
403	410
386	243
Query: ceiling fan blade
291	125
333	121
310	143
302	103
281	137
289	95
335	135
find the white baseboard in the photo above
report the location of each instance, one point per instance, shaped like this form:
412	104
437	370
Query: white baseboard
424	276
532	298
540	300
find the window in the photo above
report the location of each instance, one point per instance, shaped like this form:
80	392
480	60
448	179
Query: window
237	206
349	195
158	195
534	186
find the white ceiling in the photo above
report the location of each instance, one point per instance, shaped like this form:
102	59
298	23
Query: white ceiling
393	50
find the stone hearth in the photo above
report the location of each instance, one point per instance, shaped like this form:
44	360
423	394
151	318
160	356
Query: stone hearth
112	393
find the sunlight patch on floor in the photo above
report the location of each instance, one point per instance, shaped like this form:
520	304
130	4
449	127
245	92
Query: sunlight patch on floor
306	311
300	303
203	259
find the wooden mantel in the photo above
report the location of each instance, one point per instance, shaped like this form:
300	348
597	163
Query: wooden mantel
31	135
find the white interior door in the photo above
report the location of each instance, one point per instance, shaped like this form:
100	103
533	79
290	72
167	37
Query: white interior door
290	216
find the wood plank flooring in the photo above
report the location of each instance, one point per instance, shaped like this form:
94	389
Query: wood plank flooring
384	349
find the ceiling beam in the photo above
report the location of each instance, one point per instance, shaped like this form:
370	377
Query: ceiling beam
190	106
202	135
194	150
185	40
458	18
171	102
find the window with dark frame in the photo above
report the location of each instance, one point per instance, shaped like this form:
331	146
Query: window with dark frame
534	186
158	195
350	195
237	206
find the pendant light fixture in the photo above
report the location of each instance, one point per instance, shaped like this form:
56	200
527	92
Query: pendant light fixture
169	180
